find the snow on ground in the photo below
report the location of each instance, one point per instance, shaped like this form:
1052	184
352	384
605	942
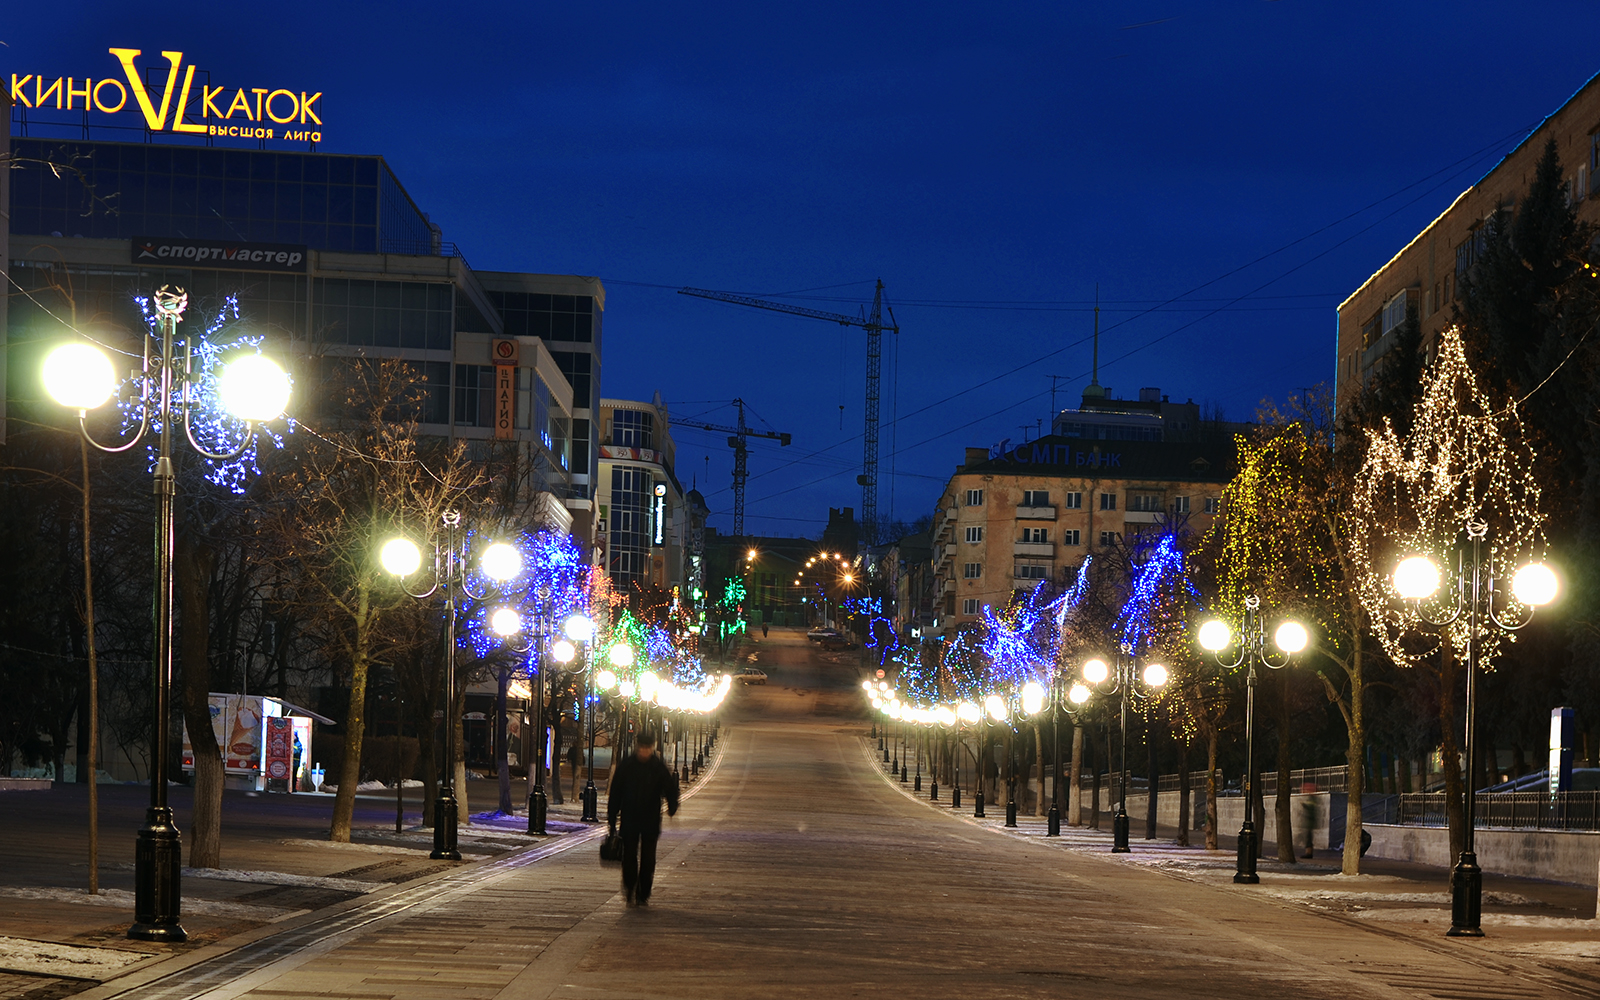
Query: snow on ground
1441	898
51	959
121	899
283	878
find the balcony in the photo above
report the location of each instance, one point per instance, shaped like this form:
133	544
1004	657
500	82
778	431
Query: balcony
949	587
1142	516
1045	549
1036	513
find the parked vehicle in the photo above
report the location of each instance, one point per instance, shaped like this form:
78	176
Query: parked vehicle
821	634
750	675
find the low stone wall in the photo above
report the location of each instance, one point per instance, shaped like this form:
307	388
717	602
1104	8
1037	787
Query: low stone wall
24	784
1560	855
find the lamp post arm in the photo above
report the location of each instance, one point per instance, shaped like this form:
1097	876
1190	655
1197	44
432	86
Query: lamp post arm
144	425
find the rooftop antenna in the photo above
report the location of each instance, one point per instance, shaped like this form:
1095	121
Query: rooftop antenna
1093	388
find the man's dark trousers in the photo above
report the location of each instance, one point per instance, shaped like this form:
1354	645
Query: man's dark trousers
639	861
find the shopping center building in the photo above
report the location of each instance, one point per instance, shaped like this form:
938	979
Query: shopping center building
327	256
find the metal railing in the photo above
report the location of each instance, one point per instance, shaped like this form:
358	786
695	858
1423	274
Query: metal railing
1321	779
422	248
1508	810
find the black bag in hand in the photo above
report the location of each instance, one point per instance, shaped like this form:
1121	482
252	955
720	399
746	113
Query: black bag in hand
611	849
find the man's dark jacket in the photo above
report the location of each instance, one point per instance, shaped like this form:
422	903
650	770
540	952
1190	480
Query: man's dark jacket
636	793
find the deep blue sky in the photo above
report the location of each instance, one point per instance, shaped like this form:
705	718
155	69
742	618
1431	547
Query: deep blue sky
1014	155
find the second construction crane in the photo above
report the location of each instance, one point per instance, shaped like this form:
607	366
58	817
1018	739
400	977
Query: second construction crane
873	323
741	470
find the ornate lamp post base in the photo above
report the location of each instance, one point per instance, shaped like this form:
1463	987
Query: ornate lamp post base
1011	803
978	812
1466	897
1053	823
1245	869
591	803
158	869
955	796
444	829
538	807
1119	832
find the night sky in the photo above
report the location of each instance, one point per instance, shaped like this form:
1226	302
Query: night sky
1226	172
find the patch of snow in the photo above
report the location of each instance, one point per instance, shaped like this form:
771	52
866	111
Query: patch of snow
283	878
47	958
1441	898
123	900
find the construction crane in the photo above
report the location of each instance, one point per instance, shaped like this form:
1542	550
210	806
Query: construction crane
870	321
741	469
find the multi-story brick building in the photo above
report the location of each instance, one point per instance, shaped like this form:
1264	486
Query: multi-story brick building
1427	272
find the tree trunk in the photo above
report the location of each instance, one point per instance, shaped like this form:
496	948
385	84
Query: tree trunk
1151	766
458	708
554	710
1450	753
355	723
1075	780
1039	808
1183	792
1350	863
1211	789
192	567
1094	784
1285	822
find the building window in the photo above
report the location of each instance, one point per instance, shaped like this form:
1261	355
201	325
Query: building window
1213	505
632	429
407	314
1035	498
1146	502
975	534
1035	536
972	571
475	395
1180	505
628	552
1032	571
1108	501
1108	539
969	606
549	317
974	498
1070	537
1072	501
1394	313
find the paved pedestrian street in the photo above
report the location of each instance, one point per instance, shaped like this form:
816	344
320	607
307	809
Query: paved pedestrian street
799	868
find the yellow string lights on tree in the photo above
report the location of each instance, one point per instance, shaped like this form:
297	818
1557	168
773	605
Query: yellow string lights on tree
1463	460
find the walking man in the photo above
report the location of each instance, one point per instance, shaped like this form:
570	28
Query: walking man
641	781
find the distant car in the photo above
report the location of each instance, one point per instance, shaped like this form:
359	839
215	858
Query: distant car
750	675
822	634
837	643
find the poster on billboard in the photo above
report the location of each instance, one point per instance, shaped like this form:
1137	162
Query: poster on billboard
279	758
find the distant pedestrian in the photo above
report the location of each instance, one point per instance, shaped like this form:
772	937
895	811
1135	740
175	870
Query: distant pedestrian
763	630
642	780
574	757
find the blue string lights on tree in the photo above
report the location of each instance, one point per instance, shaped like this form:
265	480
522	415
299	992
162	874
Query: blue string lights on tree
552	565
1160	599
214	428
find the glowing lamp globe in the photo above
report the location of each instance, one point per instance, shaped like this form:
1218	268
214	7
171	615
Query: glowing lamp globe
400	556
253	387
866	685
501	562
1078	695
79	376
627	688
1291	637
945	715
562	651
606	679
649	684
995	707
1215	635
1535	584
579	628
1095	671
1416	578
505	621
1033	697
622	655
968	712
1155	675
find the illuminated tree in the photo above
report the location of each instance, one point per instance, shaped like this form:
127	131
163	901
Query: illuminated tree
1466	458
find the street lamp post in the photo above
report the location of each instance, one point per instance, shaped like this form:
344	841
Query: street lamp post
581	629
1290	638
499	562
506	623
1123	678
251	388
1417	579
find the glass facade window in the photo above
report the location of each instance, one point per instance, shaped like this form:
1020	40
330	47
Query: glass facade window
113	190
632	429
362	313
629	542
550	317
475	395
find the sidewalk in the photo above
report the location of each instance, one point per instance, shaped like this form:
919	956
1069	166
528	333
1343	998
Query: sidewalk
1521	916
278	868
